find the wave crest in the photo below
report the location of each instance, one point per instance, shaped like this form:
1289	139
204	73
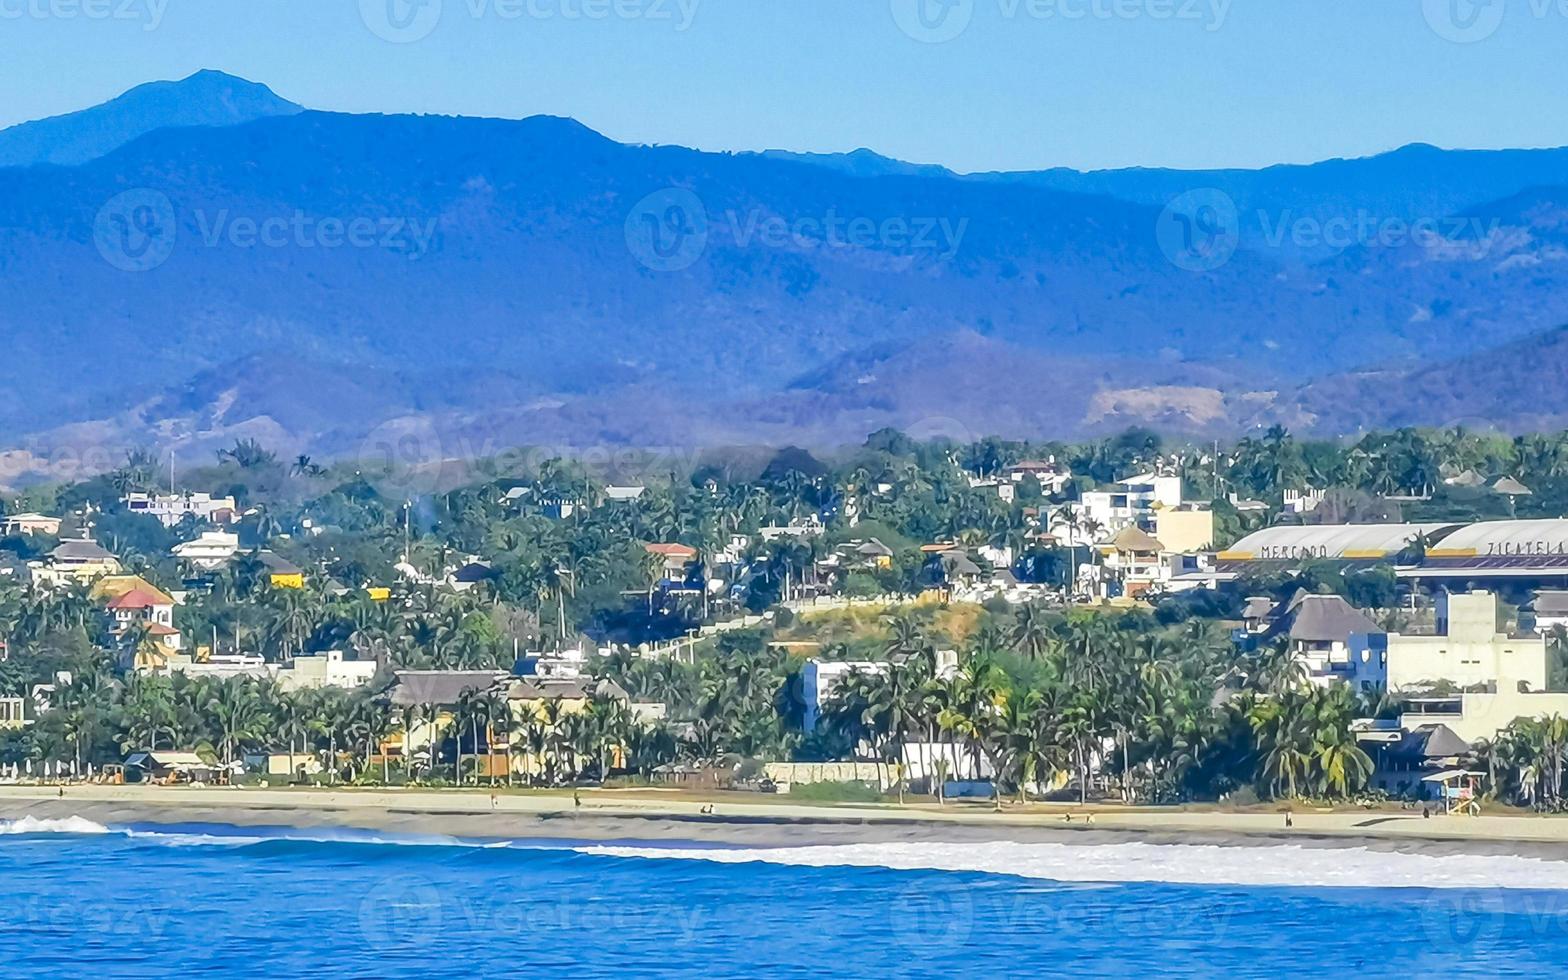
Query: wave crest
51	825
1189	864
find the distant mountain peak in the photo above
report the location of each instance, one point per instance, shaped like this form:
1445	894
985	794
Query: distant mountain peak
207	98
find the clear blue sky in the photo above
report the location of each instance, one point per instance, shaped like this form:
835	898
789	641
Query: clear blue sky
1024	84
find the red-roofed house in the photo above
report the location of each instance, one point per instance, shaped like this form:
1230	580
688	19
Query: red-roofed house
676	557
146	606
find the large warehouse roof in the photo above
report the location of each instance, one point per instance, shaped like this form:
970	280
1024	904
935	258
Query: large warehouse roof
1505	539
1334	541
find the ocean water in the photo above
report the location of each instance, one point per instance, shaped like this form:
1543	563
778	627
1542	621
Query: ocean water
80	899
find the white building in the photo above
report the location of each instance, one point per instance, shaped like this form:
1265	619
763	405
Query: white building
209	550
1130	502
820	678
1467	651
308	671
328	669
173	508
1051	475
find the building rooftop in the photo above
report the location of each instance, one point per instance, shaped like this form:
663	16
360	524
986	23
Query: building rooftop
1326	618
1340	541
1431	741
1133	538
440	687
139	598
79	550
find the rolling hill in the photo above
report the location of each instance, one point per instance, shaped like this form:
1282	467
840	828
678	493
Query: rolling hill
217	262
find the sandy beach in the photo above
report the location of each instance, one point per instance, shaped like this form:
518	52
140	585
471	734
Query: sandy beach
653	815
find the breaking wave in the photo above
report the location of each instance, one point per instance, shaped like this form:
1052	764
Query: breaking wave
51	825
1193	864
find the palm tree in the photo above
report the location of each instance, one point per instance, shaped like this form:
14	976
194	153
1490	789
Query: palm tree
1031	634
237	713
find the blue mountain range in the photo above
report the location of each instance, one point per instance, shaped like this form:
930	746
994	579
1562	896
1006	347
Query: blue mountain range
198	260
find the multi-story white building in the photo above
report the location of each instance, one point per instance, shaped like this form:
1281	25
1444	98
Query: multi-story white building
173	508
820	678
1128	503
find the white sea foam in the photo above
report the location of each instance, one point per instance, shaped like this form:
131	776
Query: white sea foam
51	825
1197	864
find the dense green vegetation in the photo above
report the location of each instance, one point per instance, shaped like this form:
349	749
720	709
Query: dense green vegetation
1143	705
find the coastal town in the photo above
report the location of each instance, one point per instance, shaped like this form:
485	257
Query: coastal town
1126	622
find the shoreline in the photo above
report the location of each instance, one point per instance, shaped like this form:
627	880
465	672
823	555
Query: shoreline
658	817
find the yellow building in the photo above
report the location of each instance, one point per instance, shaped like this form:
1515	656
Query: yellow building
76	561
1185	528
282	573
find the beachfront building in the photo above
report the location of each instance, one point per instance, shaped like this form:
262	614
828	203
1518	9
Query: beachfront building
1467	651
310	671
1326	635
820	681
1133	563
1479	715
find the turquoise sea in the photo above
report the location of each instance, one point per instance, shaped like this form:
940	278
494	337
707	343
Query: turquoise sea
85	900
